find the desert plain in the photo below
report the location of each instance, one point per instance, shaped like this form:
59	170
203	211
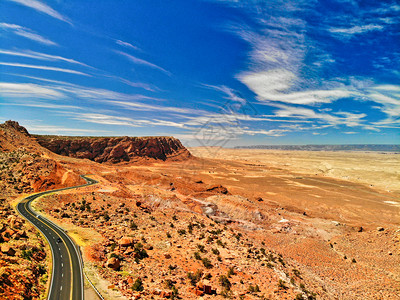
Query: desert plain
212	224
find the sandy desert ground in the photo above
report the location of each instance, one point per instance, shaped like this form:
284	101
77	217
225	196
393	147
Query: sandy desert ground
342	235
238	224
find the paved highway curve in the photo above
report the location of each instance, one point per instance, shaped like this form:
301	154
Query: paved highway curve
66	279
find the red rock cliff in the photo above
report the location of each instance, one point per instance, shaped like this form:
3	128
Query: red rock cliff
116	149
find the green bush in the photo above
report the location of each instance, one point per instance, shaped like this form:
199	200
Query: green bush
197	255
254	288
224	282
138	285
207	263
195	277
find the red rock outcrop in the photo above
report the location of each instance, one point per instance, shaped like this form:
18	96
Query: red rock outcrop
116	149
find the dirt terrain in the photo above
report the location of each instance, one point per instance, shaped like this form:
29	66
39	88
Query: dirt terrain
237	224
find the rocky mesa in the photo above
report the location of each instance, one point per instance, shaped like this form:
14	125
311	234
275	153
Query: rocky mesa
116	149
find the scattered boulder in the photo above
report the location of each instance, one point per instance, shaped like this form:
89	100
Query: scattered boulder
165	294
360	229
113	263
218	189
7	250
202	288
380	229
259	199
126	241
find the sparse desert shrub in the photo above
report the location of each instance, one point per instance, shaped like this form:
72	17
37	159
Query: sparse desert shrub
207	263
281	284
26	254
182	231
175	292
215	232
113	245
106	216
201	248
138	285
168	283
215	251
195	277
168	235
174	218
296	272
254	288
224	282
231	272
197	255
281	261
133	226
299	297
140	253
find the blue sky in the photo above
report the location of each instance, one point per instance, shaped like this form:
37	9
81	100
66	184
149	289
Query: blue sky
208	72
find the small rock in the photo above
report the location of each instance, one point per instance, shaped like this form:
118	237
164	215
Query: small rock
167	256
380	229
126	241
8	250
390	253
113	263
360	229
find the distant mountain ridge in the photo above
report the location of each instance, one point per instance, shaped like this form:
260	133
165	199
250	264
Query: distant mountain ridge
346	147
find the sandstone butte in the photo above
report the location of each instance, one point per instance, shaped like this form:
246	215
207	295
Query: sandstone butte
116	149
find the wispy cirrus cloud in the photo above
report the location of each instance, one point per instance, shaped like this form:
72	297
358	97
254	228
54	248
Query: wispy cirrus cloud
51	129
43	8
272	85
27	33
46	68
126	45
338	118
108	119
388	99
143	62
40	56
357	29
24	90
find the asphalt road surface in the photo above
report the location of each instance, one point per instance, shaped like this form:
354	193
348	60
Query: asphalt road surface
66	279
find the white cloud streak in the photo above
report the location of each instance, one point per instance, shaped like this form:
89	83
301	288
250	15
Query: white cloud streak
40	56
126	44
25	90
357	29
27	33
47	68
43	8
140	61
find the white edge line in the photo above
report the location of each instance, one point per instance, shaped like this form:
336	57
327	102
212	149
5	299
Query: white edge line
78	252
63	231
51	248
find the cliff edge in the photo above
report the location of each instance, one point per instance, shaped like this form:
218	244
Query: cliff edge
115	149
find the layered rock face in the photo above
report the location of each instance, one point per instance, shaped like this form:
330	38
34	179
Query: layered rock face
116	149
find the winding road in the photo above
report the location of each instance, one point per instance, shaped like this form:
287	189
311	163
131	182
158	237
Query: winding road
67	278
